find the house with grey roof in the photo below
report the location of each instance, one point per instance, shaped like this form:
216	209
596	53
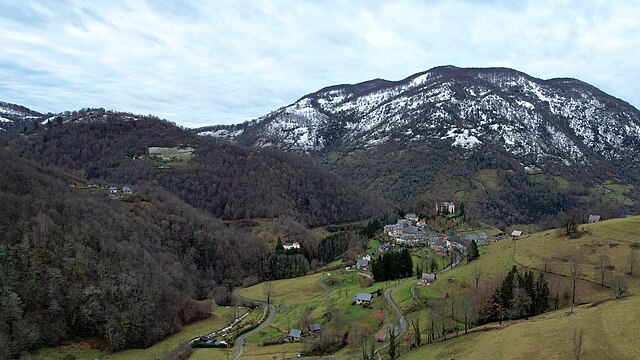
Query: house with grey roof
428	278
594	218
362	264
362	299
295	334
314	328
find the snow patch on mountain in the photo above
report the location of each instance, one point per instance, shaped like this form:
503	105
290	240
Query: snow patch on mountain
222	133
531	118
463	138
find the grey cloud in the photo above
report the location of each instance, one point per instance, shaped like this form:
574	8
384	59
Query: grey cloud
203	62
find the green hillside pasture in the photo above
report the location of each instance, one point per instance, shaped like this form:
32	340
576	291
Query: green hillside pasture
613	193
296	290
613	238
359	321
610	333
488	178
83	350
287	351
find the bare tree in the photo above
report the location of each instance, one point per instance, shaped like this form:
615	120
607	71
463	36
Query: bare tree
619	286
578	341
477	273
392	342
633	260
575	261
468	310
268	291
603	265
416	331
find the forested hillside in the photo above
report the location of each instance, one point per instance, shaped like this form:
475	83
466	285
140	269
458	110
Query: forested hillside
73	263
229	181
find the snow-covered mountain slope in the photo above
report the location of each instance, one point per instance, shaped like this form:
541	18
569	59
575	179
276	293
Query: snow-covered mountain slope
14	117
564	121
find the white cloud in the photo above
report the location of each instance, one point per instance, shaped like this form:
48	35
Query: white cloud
200	63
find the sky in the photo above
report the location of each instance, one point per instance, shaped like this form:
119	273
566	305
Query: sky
201	63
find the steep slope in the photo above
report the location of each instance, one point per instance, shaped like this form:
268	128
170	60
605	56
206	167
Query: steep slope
537	120
75	264
610	331
429	135
13	117
229	181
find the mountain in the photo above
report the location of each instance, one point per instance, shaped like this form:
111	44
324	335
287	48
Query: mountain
15	117
229	181
435	133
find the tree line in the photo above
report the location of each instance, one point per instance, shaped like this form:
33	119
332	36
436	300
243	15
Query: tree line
392	265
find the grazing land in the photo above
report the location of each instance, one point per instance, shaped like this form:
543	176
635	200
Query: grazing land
86	349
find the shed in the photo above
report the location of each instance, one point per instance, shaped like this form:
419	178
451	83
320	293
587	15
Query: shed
428	278
594	218
295	334
516	233
314	328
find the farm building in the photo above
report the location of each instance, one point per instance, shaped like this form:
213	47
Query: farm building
362	299
314	328
295	334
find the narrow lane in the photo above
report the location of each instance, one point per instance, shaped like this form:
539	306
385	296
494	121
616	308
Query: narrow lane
240	340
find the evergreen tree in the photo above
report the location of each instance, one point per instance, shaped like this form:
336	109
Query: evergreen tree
279	247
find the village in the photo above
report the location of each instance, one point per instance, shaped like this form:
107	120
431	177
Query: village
409	232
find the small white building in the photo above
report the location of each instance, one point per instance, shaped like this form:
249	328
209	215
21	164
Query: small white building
445	206
295	245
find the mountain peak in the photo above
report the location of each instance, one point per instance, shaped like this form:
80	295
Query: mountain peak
536	120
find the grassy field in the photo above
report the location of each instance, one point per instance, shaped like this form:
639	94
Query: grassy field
612	193
83	350
610	333
488	178
285	291
294	297
286	351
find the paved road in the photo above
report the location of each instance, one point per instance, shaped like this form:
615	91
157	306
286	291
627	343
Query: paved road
240	340
401	328
326	287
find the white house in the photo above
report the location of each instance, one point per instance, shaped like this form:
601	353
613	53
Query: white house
295	245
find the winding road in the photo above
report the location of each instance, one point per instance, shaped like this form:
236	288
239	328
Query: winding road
400	328
240	340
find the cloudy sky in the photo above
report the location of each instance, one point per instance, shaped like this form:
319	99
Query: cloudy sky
213	62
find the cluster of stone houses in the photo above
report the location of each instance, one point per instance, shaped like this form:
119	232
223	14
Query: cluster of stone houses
409	231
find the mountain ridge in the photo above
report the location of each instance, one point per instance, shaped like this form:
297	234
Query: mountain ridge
468	119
